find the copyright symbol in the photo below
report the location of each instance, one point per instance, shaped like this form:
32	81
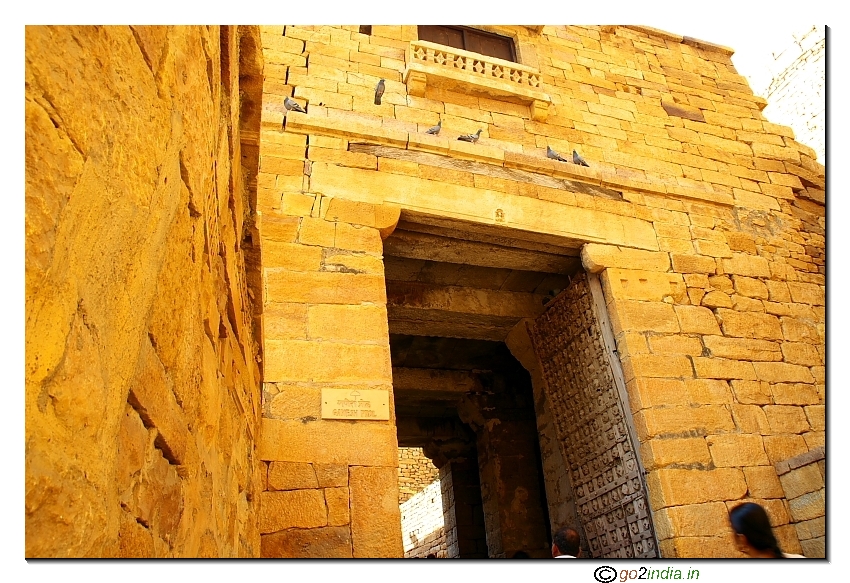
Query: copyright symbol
605	574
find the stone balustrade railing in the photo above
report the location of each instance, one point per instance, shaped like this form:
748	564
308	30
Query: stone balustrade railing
467	72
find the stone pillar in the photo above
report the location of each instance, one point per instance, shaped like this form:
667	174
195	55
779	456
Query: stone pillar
332	485
462	510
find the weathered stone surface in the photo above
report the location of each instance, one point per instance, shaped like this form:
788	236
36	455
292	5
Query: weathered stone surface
683	420
737	450
328	442
697	320
676	487
658	453
742	348
597	257
693	264
375	518
777	372
749	325
786	419
127	299
628	315
692	520
801	481
807	506
762	482
337	503
634	284
292	509
291	476
752	392
794	394
331	475
316	543
781	447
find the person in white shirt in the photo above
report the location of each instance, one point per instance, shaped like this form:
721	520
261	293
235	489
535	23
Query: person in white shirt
565	544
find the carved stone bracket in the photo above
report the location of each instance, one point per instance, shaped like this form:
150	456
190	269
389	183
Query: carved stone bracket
466	72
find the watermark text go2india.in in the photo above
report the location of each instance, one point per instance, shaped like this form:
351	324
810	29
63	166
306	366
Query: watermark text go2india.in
607	574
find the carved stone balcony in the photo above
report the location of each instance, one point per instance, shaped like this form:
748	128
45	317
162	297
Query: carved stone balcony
466	72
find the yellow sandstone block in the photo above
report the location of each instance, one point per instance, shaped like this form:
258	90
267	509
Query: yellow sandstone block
677	487
324	287
696	320
297	360
703	420
762	482
658	453
752	392
737	450
742	348
341	323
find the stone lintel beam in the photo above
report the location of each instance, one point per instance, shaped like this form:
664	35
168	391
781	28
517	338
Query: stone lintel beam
430	247
435	380
457	312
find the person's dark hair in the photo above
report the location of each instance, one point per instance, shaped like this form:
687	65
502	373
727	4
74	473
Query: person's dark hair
521	555
567	541
750	520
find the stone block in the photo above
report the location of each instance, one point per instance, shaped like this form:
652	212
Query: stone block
291	256
595	257
357	238
699	547
652	365
292	509
329	442
683	420
291	476
816	414
802	480
814	548
747	265
716	299
794	394
752	392
751	419
750	287
786	419
318	232
281	229
359	324
692	520
786	536
801	353
796	330
781	447
693	263
718	368
285	321
675	344
337	503
807	506
742	348
333	542
778	372
633	284
331	475
677	487
375	517
292	402
298	360
696	320
807	293
737	450
809	529
762	482
744	304
324	287
629	315
658	453
749	324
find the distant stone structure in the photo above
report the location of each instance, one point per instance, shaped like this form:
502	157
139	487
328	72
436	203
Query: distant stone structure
796	96
415	472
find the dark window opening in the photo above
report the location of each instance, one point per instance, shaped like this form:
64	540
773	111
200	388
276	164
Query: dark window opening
469	39
366	29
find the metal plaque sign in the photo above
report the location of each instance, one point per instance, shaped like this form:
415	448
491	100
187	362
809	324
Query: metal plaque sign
358	404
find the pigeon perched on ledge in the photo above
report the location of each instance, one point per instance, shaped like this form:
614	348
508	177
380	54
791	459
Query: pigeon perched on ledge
550	153
436	129
579	160
292	105
379	91
472	138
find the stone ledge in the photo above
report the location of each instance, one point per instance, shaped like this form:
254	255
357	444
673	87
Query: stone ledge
357	129
798	461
